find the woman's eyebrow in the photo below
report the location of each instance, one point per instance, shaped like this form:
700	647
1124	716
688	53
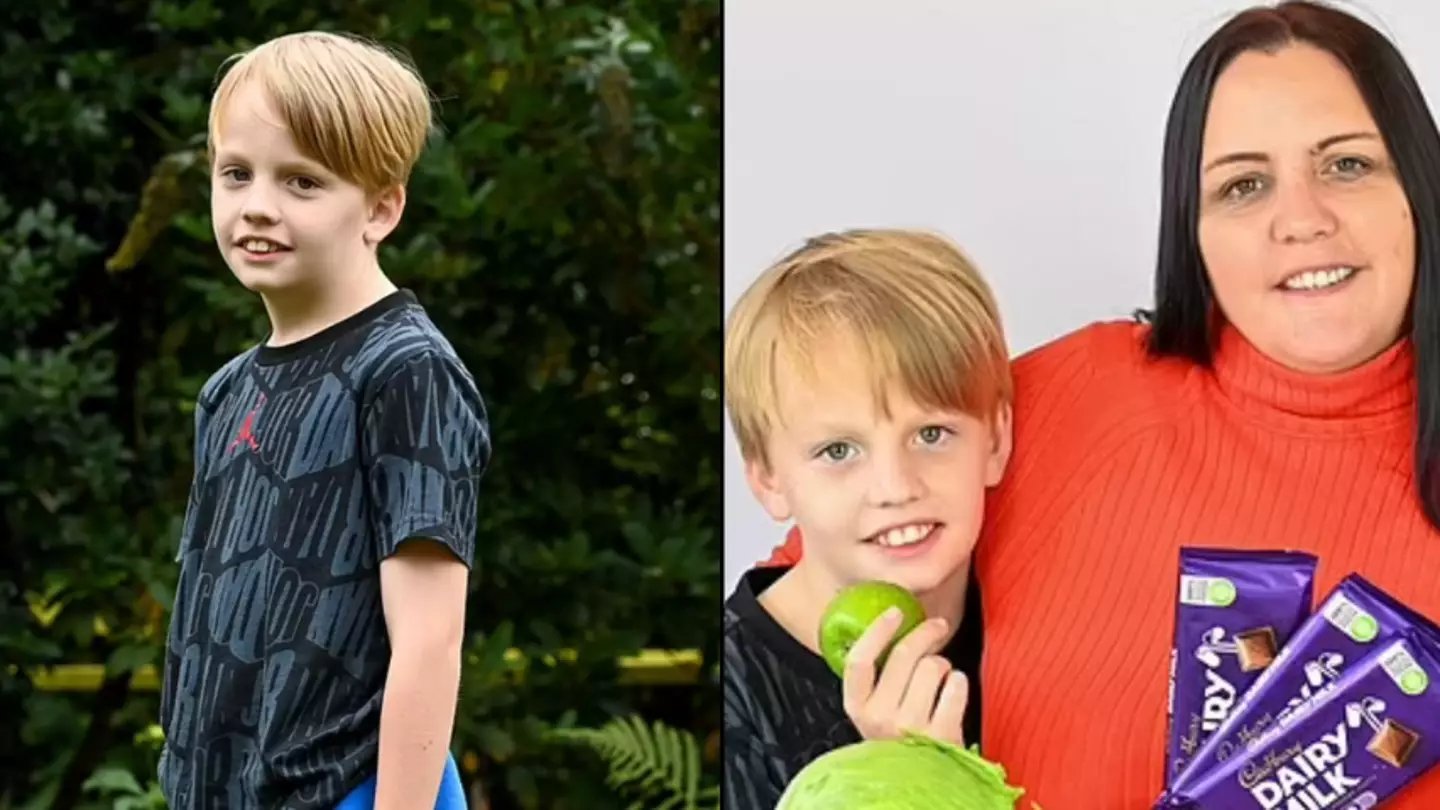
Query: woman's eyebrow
1261	157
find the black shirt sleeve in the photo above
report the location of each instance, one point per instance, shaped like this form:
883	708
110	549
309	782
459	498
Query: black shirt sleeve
749	780
425	445
197	476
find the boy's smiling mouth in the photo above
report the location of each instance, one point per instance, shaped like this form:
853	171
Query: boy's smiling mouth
260	244
904	535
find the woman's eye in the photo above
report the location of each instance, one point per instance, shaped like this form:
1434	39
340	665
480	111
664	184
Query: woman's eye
238	175
1353	166
1241	189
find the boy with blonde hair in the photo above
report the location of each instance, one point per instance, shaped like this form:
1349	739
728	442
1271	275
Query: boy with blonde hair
868	382
315	642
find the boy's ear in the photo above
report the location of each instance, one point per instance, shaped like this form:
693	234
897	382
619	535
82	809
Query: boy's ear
1001	443
766	488
385	211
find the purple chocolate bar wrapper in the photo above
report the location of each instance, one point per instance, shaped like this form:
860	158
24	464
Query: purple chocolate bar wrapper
1355	743
1355	618
1226	597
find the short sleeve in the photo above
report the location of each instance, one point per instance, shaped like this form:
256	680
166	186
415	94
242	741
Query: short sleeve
197	480
747	777
749	774
425	445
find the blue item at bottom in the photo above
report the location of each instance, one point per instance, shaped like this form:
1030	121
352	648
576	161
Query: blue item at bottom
452	793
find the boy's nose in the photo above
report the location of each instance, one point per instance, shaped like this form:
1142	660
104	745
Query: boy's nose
255	214
258	207
896	483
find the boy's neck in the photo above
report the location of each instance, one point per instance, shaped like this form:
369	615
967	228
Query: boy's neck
301	313
798	600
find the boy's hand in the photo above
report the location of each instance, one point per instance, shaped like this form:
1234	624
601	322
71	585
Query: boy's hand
905	697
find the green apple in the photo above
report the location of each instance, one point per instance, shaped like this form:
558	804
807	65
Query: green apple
854	609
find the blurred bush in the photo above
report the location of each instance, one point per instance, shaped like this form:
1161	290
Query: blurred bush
563	230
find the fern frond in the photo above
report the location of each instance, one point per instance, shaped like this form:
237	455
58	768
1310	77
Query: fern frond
660	764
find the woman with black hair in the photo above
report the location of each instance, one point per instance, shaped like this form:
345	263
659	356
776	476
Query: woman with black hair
1284	393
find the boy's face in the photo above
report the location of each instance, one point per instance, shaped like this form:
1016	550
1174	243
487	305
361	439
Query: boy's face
897	498
314	225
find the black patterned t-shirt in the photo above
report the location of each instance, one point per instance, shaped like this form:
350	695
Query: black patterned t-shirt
313	463
784	708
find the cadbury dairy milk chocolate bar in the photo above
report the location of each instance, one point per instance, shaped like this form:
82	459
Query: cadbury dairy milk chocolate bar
1234	612
1351	745
1353	619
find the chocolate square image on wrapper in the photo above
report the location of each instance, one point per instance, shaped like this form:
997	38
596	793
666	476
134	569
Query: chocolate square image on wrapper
1393	743
1353	619
1256	648
1234	612
1356	744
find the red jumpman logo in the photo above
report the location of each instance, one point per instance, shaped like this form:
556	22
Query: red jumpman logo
247	428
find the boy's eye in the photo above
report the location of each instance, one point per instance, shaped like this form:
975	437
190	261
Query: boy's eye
933	434
836	451
306	184
238	175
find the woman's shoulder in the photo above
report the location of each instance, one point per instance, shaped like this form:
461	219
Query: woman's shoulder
1096	385
1101	344
1079	398
1105	359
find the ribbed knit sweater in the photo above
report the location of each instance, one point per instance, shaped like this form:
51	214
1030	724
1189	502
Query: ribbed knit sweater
1119	461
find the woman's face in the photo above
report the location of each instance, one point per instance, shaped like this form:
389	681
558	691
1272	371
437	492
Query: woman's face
1304	229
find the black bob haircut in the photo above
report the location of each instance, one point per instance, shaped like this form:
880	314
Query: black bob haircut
1183	323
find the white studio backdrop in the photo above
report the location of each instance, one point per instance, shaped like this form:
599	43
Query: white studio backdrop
1029	131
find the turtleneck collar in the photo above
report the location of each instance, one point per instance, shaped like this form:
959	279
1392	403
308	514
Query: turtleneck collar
1376	395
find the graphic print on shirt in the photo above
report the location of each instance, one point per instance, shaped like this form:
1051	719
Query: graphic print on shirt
277	648
246	436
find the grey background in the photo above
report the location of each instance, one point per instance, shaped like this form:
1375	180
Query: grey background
1029	132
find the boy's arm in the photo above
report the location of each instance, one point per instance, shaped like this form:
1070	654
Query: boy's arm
423	589
426	445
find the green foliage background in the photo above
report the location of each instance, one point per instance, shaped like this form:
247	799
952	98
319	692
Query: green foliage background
563	230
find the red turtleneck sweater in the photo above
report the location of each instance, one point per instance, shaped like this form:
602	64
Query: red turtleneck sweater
1119	461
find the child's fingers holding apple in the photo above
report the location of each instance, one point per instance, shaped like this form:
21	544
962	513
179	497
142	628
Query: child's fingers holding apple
948	721
863	658
921	694
875	704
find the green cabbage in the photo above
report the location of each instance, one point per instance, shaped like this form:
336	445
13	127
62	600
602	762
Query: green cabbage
911	773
